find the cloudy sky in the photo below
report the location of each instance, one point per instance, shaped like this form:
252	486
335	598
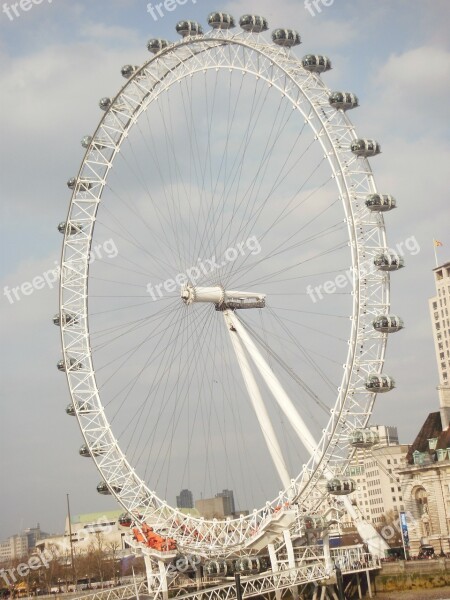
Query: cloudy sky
58	59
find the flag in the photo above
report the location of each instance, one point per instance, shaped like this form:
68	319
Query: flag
437	243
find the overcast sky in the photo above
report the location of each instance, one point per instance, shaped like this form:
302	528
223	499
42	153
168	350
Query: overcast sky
58	59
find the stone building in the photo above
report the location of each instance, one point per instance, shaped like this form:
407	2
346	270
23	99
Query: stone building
426	486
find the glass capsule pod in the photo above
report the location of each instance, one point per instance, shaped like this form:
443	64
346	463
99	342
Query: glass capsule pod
66	318
254	23
387	323
380	202
125	520
214	568
83	185
70	410
84	409
343	100
96	451
287	38
220	20
364	438
128	71
365	148
341	486
89	141
380	383
389	261
247	564
70	363
316	63
71	228
189	28
155	45
105	103
105	490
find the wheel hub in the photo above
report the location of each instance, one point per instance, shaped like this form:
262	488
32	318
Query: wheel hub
221	298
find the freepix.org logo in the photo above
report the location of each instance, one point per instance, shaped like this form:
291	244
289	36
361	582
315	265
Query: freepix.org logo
15	9
48	279
203	268
158	10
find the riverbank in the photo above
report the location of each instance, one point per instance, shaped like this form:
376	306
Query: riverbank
430	594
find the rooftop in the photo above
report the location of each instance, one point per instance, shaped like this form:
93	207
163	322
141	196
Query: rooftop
432	428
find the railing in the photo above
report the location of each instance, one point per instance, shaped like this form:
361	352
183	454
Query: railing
349	560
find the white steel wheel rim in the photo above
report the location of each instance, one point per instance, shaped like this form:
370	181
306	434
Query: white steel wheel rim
366	232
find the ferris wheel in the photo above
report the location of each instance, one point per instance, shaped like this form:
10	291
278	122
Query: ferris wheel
224	298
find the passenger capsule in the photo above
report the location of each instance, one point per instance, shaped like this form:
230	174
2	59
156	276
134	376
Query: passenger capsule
388	323
105	490
105	103
343	100
84	451
88	141
66	318
71	363
220	20
380	203
341	486
365	148
96	451
247	564
82	185
70	410
125	520
364	438
84	409
254	23
316	63
155	45
389	261
216	567
189	28
71	228
380	383
287	38
128	71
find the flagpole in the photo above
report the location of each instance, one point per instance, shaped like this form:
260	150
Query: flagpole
435	253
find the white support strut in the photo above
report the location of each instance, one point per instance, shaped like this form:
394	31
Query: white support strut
275	387
376	543
258	405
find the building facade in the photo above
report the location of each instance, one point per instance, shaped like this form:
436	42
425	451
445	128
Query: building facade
378	493
439	310
88	532
426	487
15	547
185	499
228	495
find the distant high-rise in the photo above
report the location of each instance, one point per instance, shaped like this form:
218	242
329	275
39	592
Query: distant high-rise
185	499
439	311
388	435
228	501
